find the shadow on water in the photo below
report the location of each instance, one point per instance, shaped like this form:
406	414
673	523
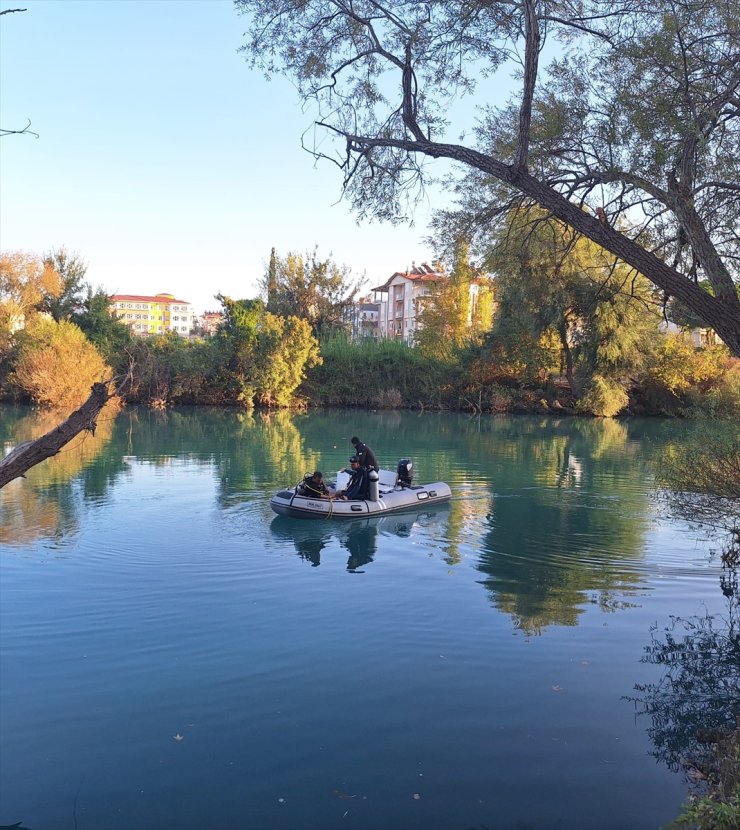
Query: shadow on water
359	538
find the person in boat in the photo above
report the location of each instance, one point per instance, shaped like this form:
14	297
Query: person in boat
358	483
314	486
365	454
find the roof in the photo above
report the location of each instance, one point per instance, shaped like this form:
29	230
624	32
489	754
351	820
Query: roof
146	298
420	273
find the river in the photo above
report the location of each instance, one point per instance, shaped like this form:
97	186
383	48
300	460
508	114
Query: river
173	655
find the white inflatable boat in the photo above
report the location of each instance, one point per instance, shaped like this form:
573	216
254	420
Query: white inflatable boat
394	491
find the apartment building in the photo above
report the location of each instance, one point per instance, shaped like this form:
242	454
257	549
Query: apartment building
363	319
210	321
400	299
158	314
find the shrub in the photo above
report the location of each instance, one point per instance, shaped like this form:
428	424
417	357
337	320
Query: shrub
56	365
722	400
602	397
678	365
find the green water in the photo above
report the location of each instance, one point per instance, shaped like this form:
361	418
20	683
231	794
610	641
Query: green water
173	655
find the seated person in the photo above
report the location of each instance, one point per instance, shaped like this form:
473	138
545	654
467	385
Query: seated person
314	487
357	486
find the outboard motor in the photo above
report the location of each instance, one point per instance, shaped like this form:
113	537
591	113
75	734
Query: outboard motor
373	486
404	472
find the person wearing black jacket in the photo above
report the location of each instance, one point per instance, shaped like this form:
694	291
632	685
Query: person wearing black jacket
357	486
365	454
314	487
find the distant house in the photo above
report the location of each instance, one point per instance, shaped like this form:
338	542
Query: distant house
146	315
701	338
364	319
210	321
401	297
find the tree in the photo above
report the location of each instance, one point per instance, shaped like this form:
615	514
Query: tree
102	328
68	300
267	354
25	280
556	288
459	310
318	291
636	118
56	365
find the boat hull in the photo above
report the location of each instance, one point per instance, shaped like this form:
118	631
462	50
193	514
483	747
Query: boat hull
290	503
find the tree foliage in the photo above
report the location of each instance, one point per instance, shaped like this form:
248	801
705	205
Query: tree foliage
566	304
56	365
459	310
68	299
636	117
318	291
267	354
101	327
25	279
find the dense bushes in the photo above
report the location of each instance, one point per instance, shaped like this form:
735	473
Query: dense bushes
384	374
55	364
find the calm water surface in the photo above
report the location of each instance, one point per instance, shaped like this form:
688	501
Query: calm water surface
176	656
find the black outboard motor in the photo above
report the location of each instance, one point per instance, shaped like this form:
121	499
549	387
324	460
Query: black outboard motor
404	472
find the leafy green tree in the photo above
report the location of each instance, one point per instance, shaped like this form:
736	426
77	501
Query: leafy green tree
458	312
635	115
318	291
565	303
65	303
101	327
267	354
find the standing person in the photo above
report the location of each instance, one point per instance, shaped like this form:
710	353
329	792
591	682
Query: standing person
365	454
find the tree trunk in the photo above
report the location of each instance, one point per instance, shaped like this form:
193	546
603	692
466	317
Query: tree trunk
27	455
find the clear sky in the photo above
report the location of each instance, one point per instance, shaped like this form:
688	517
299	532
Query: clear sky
163	160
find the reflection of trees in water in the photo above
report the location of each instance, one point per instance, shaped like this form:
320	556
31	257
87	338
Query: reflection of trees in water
248	450
45	503
697	698
571	510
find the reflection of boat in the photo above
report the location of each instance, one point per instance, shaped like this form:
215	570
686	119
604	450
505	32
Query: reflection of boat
394	491
359	537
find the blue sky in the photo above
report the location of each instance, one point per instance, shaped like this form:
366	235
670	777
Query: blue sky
162	158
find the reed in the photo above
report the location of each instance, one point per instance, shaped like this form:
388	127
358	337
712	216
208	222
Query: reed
379	374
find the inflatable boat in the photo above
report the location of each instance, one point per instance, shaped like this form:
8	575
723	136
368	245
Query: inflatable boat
388	492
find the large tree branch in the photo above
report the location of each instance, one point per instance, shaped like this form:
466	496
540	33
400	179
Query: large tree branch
20	460
721	313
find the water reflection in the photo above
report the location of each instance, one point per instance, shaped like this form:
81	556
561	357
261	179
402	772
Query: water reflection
359	538
697	698
553	515
44	503
569	522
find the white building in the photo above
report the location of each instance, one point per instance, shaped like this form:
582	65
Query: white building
402	297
